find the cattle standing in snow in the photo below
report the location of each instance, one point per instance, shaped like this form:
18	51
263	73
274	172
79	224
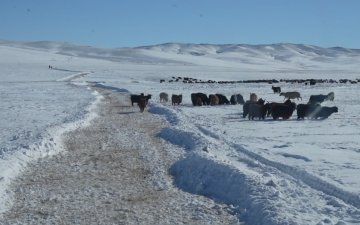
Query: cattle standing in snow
203	99
142	102
223	99
307	110
237	99
257	110
247	104
164	97
320	98
325	112
331	96
135	98
176	99
253	97
284	110
291	95
269	106
214	100
276	89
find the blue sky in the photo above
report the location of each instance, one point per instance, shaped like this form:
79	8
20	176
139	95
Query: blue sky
130	23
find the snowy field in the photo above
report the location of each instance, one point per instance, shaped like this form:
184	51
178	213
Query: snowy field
271	172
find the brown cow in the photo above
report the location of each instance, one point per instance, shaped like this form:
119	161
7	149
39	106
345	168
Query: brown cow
253	97
214	100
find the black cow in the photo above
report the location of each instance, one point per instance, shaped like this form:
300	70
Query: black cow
195	99
223	99
135	98
276	89
237	99
307	110
325	112
176	99
272	104
284	110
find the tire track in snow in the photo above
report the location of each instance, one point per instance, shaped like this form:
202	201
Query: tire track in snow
73	77
311	180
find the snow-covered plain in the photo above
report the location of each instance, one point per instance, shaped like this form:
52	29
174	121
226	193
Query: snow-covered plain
271	172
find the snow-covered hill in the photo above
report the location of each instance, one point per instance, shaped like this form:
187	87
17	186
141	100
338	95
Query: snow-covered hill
278	57
270	172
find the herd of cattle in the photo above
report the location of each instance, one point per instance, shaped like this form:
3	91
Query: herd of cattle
190	80
255	107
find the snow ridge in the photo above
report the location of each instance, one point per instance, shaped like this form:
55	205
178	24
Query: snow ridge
311	180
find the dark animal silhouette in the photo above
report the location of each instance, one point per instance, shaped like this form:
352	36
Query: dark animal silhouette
176	99
321	98
325	112
135	98
214	100
258	111
164	97
195	99
222	99
307	110
247	104
271	105
237	99
253	97
276	89
291	95
142	102
283	110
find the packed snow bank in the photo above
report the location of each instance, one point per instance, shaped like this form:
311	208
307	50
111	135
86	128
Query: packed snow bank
181	138
200	175
11	164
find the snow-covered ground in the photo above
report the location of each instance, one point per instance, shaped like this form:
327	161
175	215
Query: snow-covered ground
271	172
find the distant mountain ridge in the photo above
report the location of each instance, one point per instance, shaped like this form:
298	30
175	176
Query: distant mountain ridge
280	56
270	48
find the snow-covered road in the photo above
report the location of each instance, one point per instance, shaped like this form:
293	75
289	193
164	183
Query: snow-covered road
114	171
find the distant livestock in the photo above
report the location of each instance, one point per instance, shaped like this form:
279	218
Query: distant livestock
214	100
237	99
320	98
283	110
176	99
164	97
135	98
291	95
276	89
223	99
203	99
253	97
